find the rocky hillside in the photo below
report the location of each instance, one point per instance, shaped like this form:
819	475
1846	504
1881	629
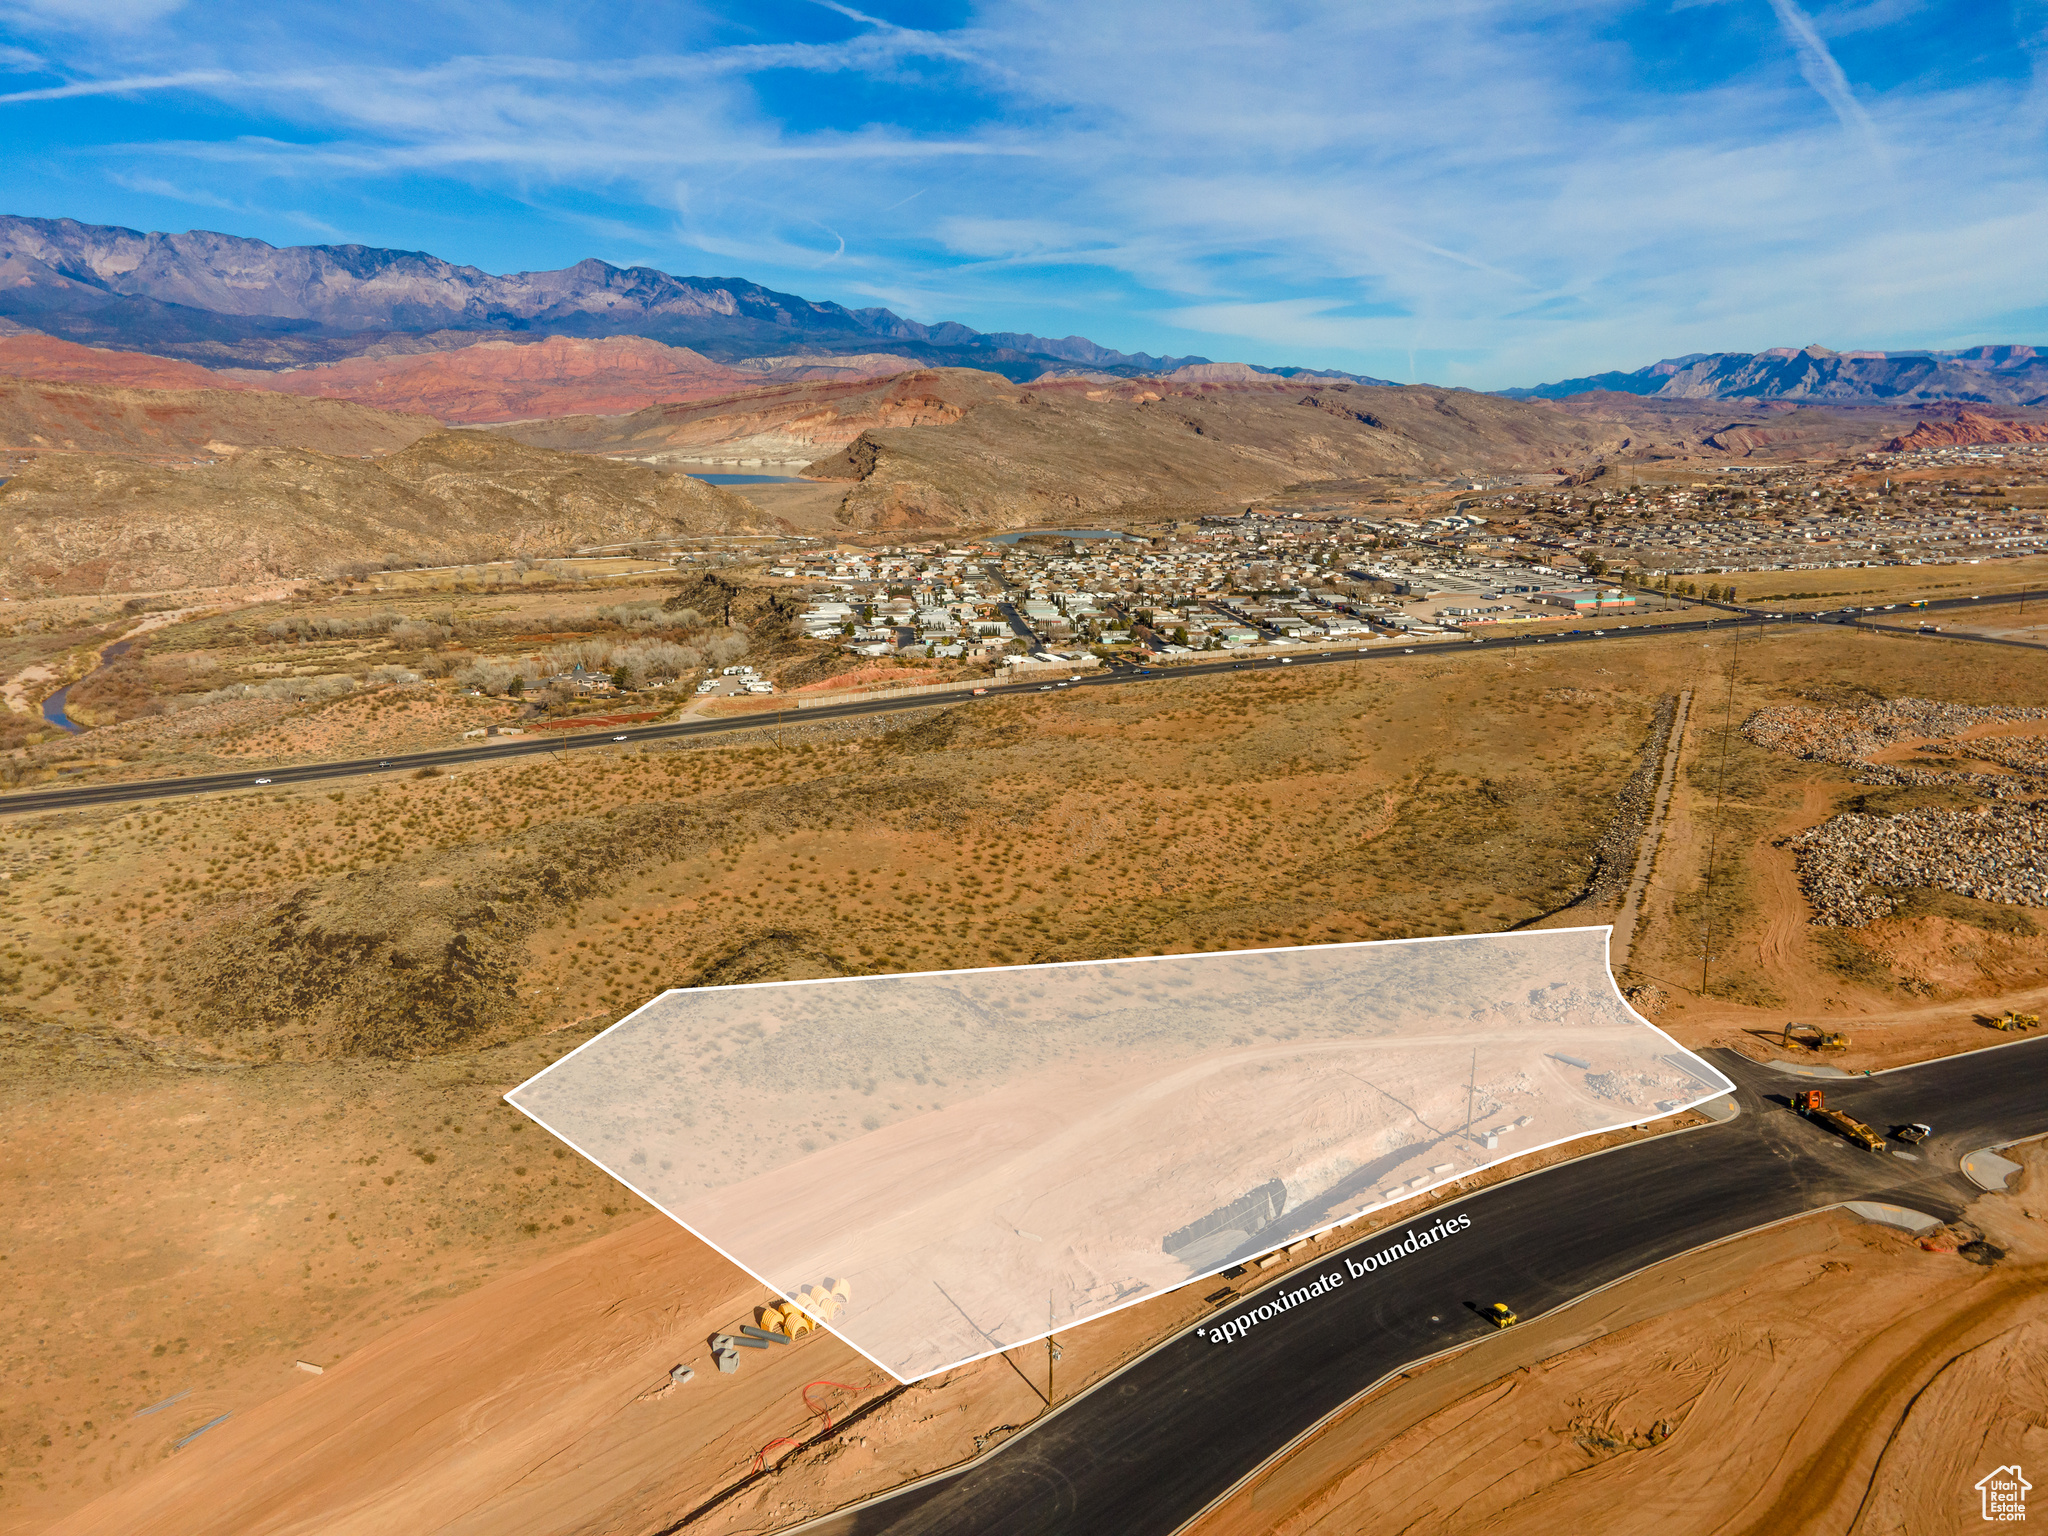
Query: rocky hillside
505	381
1018	457
786	426
89	523
40	417
956	447
1965	428
32	355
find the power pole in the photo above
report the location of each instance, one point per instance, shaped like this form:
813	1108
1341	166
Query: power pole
1052	1352
1471	1089
1714	832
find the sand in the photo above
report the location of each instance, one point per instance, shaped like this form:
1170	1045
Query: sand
540	1402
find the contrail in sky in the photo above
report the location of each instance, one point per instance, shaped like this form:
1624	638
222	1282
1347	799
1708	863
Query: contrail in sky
1826	76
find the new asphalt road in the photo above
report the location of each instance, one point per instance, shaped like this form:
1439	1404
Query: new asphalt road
534	745
1149	1449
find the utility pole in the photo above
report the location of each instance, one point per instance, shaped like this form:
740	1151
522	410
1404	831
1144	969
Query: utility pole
1052	1352
1471	1089
1714	833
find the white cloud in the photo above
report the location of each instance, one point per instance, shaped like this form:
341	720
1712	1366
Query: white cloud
90	16
1488	183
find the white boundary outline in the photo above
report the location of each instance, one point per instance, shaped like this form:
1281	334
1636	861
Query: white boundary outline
1706	1070
958	1469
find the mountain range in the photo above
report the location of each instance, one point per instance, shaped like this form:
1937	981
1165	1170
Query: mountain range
249	310
226	301
1990	375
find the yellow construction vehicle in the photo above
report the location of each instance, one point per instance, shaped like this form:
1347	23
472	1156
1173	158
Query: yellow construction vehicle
1499	1315
1814	1038
1812	1103
2011	1019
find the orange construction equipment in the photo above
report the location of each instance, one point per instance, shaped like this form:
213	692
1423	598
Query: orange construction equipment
1812	1103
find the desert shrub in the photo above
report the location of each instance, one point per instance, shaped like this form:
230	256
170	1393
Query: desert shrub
490	677
648	616
298	690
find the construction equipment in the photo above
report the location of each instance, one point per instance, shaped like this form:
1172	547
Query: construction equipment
1813	1037
2010	1019
1912	1135
1812	1103
1500	1316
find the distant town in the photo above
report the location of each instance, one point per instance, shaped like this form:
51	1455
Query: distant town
1451	559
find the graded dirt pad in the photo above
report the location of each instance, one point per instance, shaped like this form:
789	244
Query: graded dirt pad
1824	1376
97	524
1106	1130
540	1399
180	1232
60	419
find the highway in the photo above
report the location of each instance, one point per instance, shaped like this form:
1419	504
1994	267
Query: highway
1148	1450
498	749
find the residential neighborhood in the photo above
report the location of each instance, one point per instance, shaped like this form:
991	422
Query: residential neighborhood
1448	559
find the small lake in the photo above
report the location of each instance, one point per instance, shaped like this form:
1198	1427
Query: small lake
1064	533
751	479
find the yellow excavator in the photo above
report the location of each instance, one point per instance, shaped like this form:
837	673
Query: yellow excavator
1814	1038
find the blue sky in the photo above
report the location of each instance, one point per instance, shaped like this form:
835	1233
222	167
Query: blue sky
1466	191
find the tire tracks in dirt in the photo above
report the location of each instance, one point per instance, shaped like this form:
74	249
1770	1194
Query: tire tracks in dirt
1808	1497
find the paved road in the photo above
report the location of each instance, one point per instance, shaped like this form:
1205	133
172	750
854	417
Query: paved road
1150	1449
529	746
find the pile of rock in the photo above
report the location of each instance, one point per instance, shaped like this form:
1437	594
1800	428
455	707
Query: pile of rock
1992	786
1856	735
1615	855
1849	865
2022	754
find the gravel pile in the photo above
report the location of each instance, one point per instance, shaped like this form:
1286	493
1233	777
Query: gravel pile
1614	857
2022	754
1847	863
1854	735
1992	786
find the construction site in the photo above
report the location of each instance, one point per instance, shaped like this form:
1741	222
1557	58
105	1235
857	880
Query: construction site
1048	1143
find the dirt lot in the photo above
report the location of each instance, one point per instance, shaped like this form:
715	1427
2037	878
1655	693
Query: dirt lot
1806	591
1825	1376
1732	958
491	1377
333	976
